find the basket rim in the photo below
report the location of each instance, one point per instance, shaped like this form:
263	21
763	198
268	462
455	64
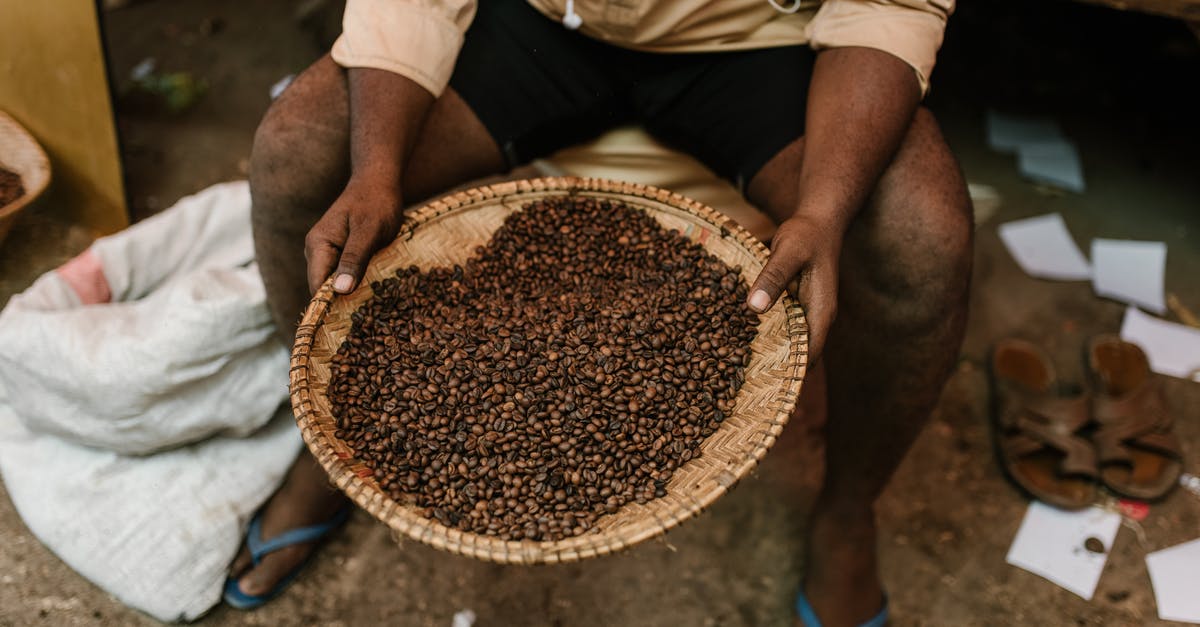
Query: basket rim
405	523
38	165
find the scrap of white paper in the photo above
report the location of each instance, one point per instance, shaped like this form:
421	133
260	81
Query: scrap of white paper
1191	483
1007	133
1052	162
1129	271
985	199
1050	543
1173	349
463	618
280	85
1043	248
1044	154
1176	586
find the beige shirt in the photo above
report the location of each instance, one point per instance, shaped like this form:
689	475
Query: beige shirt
420	39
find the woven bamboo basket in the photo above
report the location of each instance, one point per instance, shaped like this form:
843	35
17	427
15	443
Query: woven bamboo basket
20	153
445	232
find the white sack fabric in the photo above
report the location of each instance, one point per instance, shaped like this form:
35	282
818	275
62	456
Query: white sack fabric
183	352
134	435
157	532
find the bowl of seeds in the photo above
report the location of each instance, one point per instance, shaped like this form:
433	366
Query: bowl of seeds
24	171
548	370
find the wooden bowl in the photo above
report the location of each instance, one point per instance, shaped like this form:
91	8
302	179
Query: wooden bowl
445	232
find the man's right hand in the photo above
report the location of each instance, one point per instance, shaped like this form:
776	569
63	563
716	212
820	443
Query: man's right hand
362	220
387	111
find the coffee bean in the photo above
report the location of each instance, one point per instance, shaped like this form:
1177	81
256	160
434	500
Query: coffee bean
568	368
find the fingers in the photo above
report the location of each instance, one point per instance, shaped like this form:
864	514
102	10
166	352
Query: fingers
353	261
818	297
322	256
787	259
343	240
810	254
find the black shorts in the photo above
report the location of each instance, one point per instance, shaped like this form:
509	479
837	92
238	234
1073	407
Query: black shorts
539	87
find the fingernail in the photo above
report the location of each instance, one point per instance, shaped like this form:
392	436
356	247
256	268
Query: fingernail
759	301
343	283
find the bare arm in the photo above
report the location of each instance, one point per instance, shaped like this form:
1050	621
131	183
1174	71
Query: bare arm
861	102
387	112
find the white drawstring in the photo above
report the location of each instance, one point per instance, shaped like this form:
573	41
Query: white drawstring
571	19
778	7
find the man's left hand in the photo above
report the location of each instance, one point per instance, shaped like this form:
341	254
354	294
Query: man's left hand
807	250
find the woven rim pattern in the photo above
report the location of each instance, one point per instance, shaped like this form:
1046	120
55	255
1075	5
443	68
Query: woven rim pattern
447	231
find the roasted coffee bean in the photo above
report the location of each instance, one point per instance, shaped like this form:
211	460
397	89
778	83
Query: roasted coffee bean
567	369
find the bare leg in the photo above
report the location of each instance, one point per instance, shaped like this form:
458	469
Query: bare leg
902	302
298	166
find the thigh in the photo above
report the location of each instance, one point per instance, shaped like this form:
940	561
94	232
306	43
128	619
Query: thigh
536	86
732	110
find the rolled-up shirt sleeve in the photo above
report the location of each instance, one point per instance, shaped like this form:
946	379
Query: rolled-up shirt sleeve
909	29
418	39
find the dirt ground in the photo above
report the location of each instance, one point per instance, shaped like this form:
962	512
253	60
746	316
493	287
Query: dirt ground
1119	85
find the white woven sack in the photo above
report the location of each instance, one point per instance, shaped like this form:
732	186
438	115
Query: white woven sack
184	351
119	421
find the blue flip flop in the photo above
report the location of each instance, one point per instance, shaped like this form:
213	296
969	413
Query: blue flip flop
260	548
809	616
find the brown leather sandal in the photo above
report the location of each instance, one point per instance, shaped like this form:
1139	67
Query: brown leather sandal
1037	431
1139	454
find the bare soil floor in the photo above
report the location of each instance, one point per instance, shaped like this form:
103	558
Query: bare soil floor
1118	84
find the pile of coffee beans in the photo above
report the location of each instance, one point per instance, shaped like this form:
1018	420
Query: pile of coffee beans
10	187
568	368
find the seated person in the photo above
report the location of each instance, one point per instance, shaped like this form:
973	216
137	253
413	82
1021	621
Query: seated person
812	110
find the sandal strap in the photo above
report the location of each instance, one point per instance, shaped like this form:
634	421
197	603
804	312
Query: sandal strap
808	615
1139	419
260	548
1144	404
1042	421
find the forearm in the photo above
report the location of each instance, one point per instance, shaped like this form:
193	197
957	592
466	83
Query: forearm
387	111
860	104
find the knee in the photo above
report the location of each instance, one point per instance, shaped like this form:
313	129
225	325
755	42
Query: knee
269	152
946	218
914	252
300	153
947	241
292	156
274	174
925	277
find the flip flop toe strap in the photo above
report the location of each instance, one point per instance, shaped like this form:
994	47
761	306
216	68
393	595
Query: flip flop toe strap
260	548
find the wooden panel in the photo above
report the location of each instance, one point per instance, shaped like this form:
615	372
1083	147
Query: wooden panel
53	81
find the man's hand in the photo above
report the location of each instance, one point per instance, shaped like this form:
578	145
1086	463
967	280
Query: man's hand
860	104
807	250
387	112
362	220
